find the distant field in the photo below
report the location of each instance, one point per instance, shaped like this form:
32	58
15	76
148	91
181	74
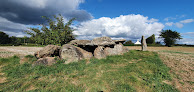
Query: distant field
180	60
8	51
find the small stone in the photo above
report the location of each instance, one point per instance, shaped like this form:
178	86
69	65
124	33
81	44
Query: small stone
45	61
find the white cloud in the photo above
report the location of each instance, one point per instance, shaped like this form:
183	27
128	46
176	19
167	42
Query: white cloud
124	26
169	23
174	18
190	34
187	21
169	18
179	25
188	41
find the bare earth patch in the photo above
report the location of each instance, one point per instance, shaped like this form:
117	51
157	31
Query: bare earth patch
181	62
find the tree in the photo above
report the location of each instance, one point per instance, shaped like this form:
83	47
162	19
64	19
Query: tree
4	38
151	39
129	43
170	37
56	33
15	40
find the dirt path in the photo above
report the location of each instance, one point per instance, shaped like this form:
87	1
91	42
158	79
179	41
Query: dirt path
181	62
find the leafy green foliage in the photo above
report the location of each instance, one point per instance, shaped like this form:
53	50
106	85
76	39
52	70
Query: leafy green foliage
4	38
151	39
170	37
131	72
128	43
57	32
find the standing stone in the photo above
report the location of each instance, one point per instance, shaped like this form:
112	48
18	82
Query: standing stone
143	44
99	52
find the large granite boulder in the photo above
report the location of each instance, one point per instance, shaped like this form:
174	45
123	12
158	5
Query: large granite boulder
117	50
48	51
102	41
45	61
73	54
80	42
99	52
143	44
119	41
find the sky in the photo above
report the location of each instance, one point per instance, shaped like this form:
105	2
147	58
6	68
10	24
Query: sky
118	19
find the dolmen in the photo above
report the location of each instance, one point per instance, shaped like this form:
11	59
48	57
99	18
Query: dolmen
81	49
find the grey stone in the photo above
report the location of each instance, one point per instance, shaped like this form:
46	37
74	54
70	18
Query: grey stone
102	41
48	51
119	41
143	44
73	54
117	50
45	61
99	52
80	42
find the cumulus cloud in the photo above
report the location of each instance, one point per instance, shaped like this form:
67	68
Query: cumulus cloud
30	11
124	26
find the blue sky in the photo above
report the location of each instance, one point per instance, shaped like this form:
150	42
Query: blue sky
128	19
163	10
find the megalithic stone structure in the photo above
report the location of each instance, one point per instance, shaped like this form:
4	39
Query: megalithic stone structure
143	44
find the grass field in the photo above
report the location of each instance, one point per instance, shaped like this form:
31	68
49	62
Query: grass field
133	71
161	69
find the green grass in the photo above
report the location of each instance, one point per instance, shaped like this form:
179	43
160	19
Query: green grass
177	52
131	72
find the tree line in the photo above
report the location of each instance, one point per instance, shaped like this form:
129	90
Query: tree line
169	38
6	40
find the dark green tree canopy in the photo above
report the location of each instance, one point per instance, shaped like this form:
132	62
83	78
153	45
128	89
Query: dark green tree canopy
170	37
4	38
151	39
57	32
128	43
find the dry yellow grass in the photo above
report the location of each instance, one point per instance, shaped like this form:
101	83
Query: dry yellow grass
8	51
181	62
